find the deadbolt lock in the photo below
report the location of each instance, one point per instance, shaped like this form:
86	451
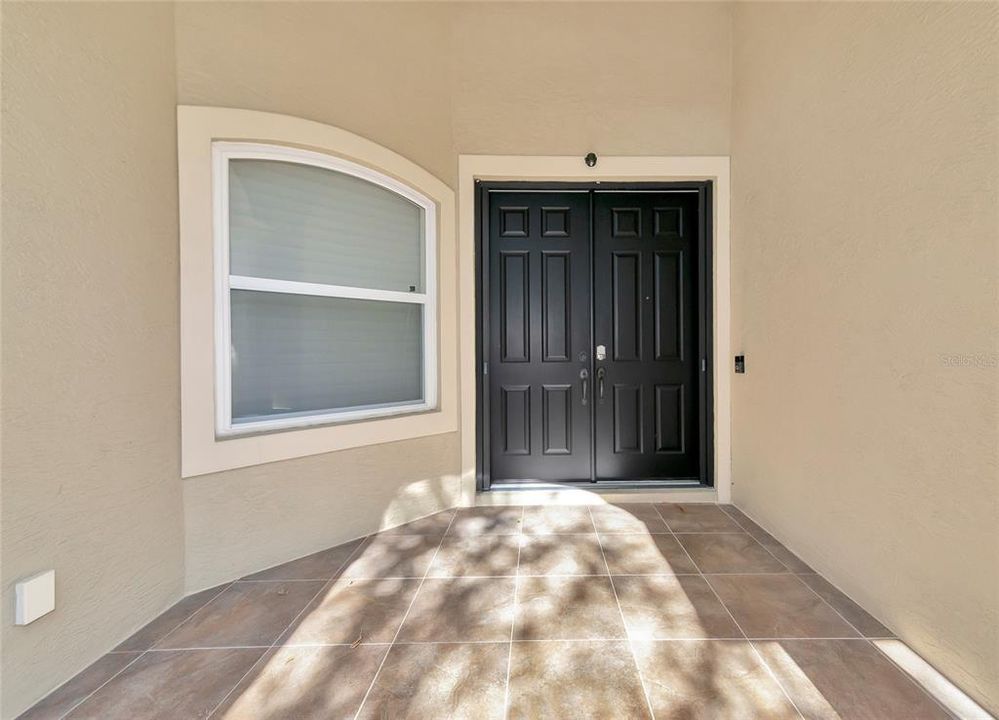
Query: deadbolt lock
601	352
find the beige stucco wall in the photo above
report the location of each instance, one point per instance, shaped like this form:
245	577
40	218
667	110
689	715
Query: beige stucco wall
865	174
90	417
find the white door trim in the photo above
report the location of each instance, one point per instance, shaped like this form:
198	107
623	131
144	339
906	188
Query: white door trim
617	169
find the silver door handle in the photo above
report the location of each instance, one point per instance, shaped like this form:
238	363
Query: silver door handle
600	383
584	375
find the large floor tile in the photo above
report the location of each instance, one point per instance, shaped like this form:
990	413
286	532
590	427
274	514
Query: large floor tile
461	610
500	520
575	681
694	517
628	518
156	630
659	607
566	608
384	556
68	695
245	614
866	623
432	525
710	680
778	606
542	520
354	611
846	680
305	683
455	681
561	555
790	560
318	566
729	553
485	556
169	685
645	555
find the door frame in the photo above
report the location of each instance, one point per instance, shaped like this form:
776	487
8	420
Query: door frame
703	189
628	170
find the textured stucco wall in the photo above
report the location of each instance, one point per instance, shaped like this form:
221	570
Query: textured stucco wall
865	172
90	416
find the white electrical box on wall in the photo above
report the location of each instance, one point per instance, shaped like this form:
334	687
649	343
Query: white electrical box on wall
34	597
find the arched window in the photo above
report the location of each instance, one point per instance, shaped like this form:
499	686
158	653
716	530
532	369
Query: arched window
325	291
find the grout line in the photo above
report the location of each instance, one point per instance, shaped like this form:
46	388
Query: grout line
141	652
624	623
692	638
327	584
513	622
374	678
127	666
860	636
756	651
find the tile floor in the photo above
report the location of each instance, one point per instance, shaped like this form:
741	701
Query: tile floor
630	611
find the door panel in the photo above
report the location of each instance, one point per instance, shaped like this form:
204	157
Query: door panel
539	330
645	312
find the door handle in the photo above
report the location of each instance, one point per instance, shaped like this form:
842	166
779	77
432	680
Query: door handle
600	383
584	375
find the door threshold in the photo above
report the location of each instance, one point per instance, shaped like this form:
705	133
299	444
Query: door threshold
593	493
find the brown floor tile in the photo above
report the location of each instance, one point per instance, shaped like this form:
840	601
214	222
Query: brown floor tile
384	556
56	704
305	682
846	680
502	520
854	614
433	525
169	685
778	606
729	553
694	517
575	681
645	555
167	621
790	560
461	610
541	520
245	614
561	555
566	608
351	611
628	518
710	680
661	607
485	555
322	565
457	681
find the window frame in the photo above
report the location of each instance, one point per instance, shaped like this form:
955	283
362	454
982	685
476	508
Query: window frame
224	282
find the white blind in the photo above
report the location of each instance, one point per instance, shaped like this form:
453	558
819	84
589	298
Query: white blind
296	222
300	354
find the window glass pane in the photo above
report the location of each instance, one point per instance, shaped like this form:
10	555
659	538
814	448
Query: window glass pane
299	354
297	222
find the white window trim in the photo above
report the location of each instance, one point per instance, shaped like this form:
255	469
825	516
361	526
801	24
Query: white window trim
203	450
222	153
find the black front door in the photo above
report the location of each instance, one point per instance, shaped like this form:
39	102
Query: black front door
645	322
594	321
540	390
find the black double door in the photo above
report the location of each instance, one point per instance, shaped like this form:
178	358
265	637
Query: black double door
596	367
